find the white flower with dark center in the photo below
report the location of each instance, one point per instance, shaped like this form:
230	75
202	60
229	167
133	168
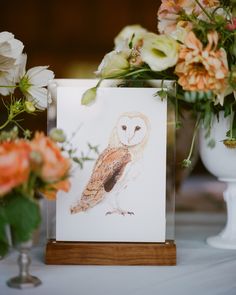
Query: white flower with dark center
33	82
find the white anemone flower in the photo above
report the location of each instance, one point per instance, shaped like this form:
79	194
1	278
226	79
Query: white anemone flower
160	52
33	82
125	37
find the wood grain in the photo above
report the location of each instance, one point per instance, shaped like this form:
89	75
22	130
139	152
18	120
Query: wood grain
87	253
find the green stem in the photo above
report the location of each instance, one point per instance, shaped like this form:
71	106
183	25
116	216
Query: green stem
194	138
9	86
231	121
137	72
99	82
178	124
204	10
5	124
18	125
10	119
128	74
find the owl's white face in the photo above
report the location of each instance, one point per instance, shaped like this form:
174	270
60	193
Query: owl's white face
131	130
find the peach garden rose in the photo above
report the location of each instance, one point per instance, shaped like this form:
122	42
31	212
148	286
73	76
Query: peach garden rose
14	165
54	167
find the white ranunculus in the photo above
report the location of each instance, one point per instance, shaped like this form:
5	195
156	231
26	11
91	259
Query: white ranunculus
160	52
33	82
124	37
113	64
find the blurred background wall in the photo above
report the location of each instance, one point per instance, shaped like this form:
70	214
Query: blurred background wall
72	36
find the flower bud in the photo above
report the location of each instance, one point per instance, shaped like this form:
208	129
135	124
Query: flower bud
114	64
186	163
29	107
89	96
57	135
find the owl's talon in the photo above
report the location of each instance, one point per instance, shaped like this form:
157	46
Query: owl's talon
120	212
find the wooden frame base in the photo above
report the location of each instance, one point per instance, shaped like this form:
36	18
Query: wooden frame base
89	253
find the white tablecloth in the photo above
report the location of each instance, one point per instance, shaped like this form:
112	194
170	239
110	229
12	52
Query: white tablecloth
200	269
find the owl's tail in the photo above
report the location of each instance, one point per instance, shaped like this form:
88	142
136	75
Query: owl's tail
80	207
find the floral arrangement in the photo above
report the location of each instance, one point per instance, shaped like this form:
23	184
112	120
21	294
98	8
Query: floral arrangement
196	47
28	167
21	90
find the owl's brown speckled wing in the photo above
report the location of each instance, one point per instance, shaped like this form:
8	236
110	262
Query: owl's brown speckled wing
106	172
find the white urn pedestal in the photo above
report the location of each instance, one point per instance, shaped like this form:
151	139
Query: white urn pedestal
221	162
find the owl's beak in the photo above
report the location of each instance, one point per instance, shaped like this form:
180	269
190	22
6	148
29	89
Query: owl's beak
130	137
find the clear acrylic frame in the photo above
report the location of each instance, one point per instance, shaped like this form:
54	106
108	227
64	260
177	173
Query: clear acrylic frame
169	87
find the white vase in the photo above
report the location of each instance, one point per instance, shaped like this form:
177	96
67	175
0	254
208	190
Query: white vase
221	162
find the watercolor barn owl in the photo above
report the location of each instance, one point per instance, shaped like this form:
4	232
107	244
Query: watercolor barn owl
113	168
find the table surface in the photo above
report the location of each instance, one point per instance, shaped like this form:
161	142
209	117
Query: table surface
200	269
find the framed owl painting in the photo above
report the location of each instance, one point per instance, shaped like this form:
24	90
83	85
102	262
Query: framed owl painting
119	195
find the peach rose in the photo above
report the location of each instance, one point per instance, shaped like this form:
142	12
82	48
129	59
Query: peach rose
51	190
14	164
54	166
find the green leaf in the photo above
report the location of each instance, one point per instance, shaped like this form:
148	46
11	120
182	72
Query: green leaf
178	124
4	246
227	110
211	143
93	148
161	93
87	159
78	161
23	215
233	133
233	129
89	96
207	116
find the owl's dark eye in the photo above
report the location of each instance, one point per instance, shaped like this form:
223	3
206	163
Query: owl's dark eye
124	127
137	128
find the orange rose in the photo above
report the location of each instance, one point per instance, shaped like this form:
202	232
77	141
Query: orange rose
54	166
14	164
